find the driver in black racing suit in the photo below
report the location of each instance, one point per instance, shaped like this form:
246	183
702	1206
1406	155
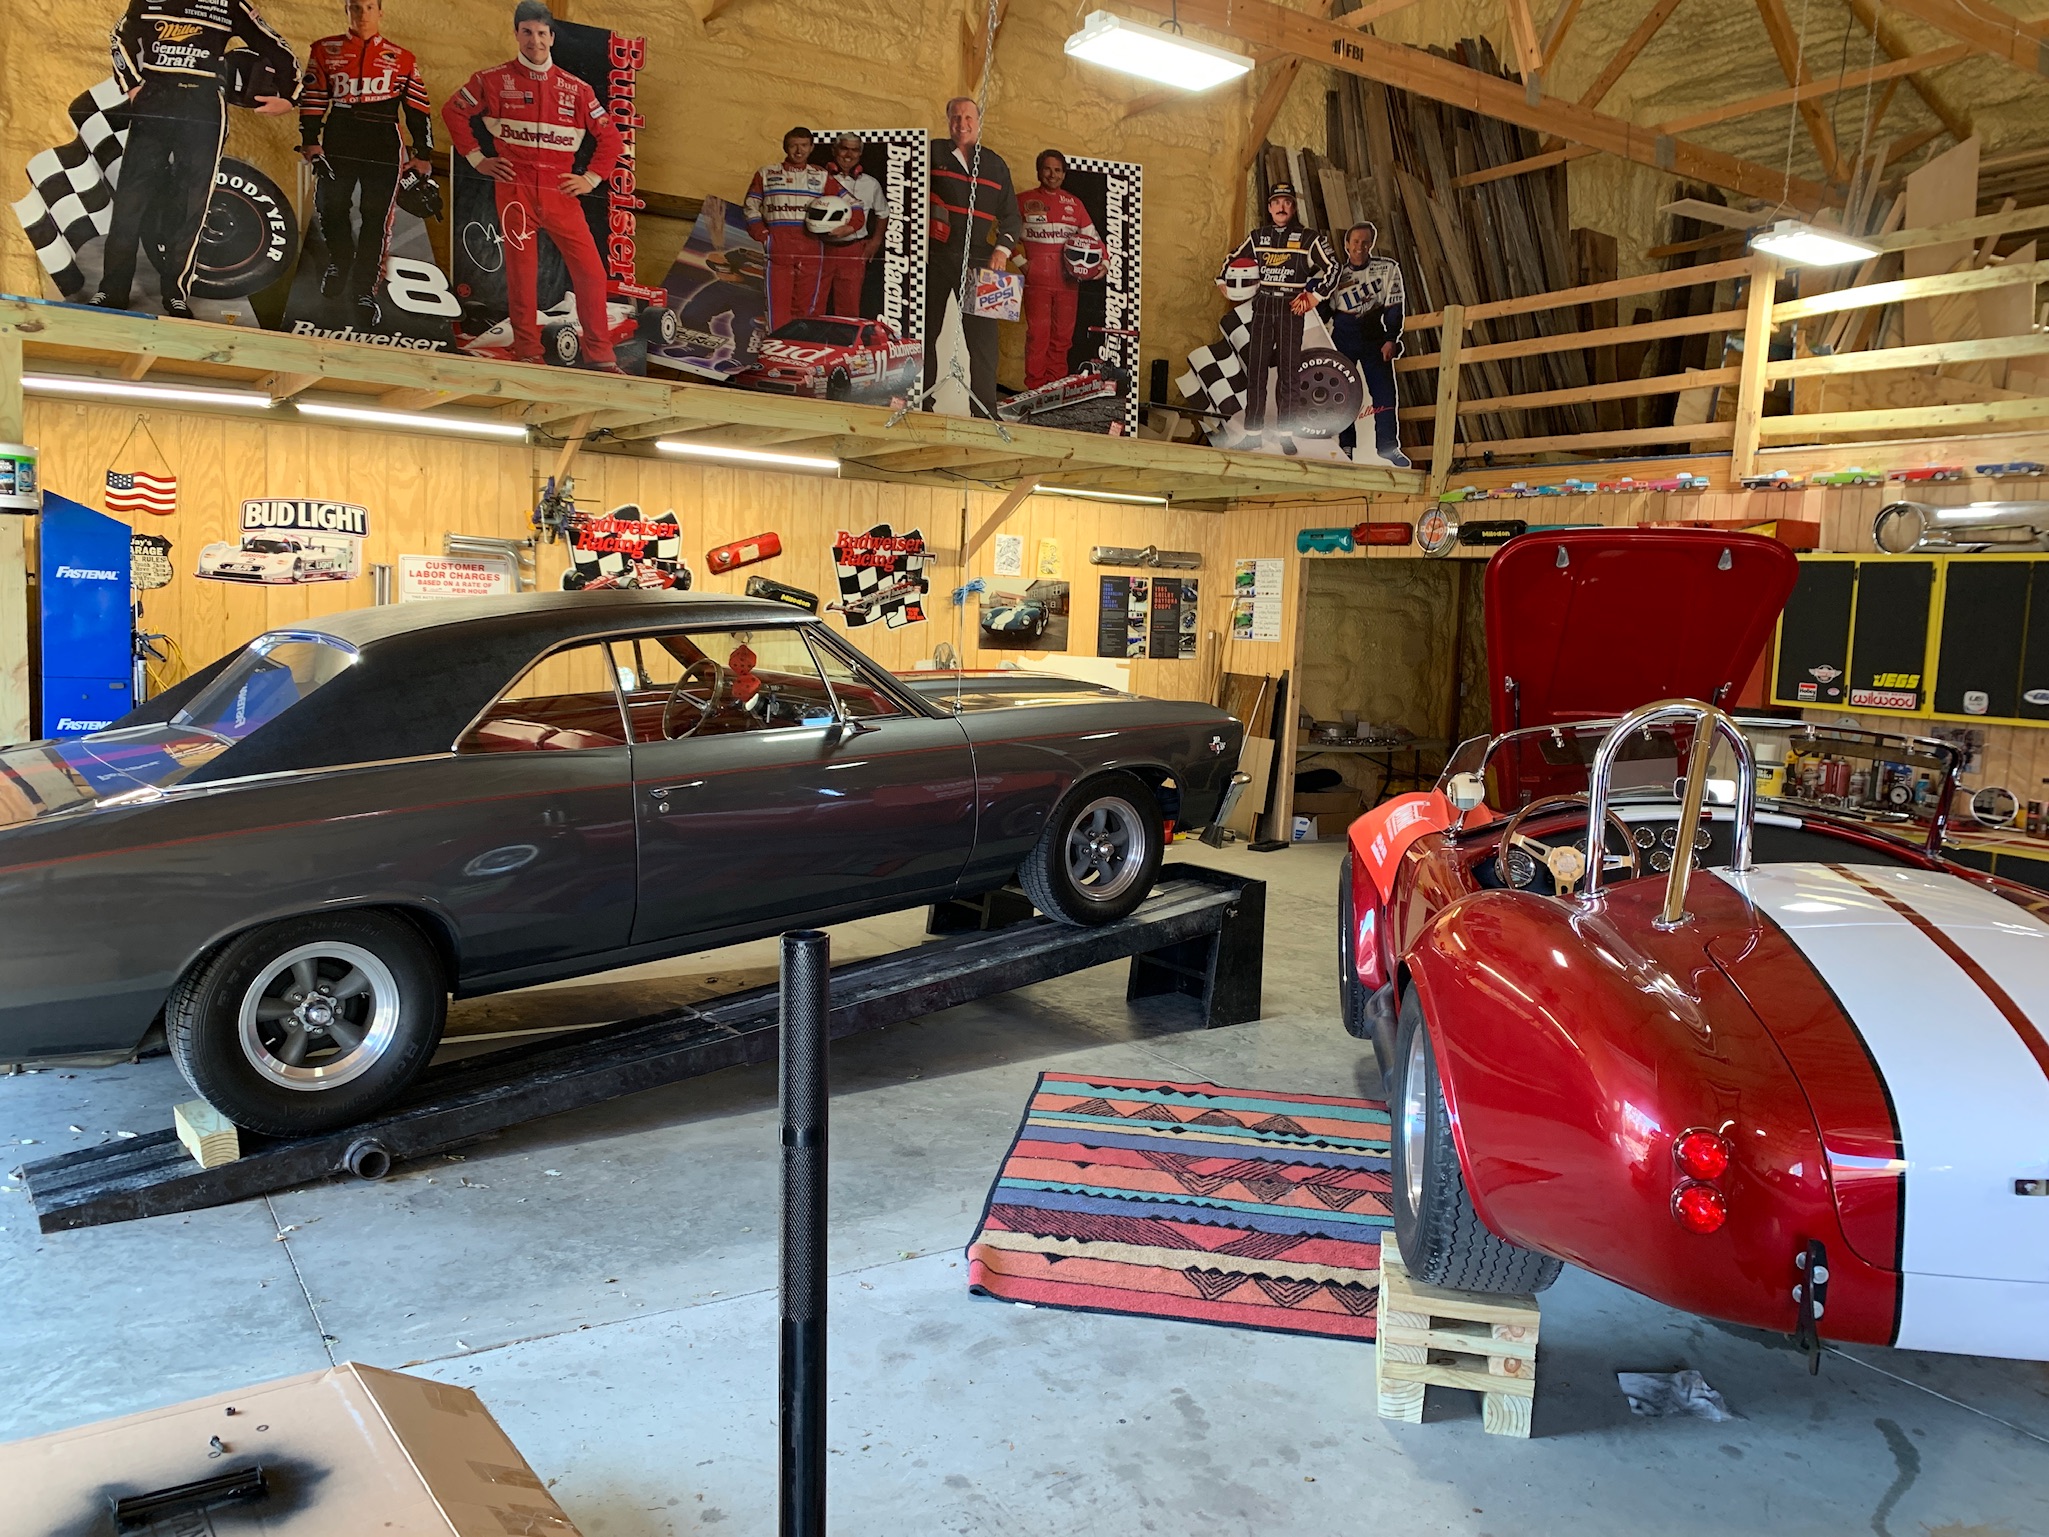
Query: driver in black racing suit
171	57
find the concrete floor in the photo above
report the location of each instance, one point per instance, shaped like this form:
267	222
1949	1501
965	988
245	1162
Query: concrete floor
605	1280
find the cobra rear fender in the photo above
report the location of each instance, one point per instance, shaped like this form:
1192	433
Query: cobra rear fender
1574	1047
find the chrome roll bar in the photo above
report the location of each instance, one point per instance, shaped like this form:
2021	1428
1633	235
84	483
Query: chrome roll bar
1708	722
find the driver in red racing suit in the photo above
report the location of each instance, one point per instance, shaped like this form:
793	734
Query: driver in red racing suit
1052	217
541	134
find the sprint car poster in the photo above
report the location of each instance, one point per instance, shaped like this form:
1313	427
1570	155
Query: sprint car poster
717	288
623	549
881	576
290	540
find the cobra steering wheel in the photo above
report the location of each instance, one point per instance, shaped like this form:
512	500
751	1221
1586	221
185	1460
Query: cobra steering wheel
707	675
1567	864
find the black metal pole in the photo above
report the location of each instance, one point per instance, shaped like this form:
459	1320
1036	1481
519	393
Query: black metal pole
806	986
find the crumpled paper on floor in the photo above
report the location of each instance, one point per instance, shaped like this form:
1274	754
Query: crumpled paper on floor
1659	1395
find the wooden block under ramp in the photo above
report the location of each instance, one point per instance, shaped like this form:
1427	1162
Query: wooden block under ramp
1429	1336
208	1135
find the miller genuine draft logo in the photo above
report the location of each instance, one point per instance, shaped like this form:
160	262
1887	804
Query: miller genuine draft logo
176	31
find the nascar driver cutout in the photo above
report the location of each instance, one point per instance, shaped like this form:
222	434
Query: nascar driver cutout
358	84
1367	308
171	56
545	139
1297	271
1053	218
778	200
847	258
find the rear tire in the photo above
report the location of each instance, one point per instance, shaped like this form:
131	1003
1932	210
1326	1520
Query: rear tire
1351	995
1442	1239
311	1023
1099	853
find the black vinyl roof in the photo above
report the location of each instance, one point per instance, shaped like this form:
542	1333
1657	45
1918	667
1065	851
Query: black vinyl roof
556	614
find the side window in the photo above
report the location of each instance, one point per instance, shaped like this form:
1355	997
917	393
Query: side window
859	697
568	701
702	683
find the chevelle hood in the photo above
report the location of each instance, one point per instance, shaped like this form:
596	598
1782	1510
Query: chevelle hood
41	779
1912	1006
1589	622
1004	690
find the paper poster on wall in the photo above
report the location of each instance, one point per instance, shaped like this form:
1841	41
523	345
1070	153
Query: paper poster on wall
1032	618
1126	618
425	577
1171	623
621	549
1049	557
1009	556
545	273
717	289
881	274
881	575
287	540
1256	599
149	562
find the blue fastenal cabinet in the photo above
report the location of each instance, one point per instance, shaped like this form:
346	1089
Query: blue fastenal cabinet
87	617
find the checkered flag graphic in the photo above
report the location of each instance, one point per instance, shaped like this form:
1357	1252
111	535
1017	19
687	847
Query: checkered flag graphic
893	592
71	188
664	552
1216	373
1238	327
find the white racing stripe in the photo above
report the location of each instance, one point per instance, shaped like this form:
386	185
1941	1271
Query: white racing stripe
1971	1096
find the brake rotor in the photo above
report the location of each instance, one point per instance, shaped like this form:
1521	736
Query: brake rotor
1328	394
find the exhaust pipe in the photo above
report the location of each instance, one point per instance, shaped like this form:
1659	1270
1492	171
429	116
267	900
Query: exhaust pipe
806	987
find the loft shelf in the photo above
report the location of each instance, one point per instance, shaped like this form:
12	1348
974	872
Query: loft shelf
871	442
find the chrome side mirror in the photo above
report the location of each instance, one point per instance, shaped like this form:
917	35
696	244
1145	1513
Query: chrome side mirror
1465	791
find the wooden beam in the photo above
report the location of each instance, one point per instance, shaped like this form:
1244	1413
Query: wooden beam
1268	108
1981	414
1372	11
1529	47
2002	223
15	725
1013	499
1987	28
1591	293
1812	90
1589	442
1152	99
1751	383
283	386
1790	46
1902	289
1413	69
1625	56
1931	355
981	41
1534	346
1895	47
1556	28
572	447
1444	434
1620	389
136	366
415	400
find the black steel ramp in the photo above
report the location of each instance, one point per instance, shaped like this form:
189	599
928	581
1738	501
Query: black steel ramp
1201	932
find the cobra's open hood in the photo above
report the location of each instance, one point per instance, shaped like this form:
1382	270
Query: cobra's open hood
1589	622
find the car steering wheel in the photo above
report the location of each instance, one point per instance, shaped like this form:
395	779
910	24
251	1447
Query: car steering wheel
706	674
1567	864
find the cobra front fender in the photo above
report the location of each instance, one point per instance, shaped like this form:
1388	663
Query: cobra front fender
1575	1046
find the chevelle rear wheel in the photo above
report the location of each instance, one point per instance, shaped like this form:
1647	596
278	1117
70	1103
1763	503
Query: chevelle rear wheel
309	1024
1099	854
1442	1239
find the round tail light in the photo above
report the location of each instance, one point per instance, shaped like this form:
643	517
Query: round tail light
1699	1208
1702	1154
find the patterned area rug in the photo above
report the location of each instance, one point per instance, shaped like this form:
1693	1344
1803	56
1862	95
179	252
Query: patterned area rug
1189	1201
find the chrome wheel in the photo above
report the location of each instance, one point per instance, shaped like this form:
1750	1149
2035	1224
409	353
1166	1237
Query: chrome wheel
319	1015
1105	848
1415	1120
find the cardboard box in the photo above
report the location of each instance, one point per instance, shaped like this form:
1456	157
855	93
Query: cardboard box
1305	830
1316	803
345	1452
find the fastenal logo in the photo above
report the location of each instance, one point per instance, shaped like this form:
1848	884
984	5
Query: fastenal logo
66	723
88	574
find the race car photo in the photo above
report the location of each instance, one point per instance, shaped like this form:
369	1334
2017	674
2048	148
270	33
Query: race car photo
273	557
835	357
631	320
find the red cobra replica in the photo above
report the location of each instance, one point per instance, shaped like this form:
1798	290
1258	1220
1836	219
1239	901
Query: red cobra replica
1766	1059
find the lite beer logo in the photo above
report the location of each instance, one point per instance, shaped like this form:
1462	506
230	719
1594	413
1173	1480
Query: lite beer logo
305	515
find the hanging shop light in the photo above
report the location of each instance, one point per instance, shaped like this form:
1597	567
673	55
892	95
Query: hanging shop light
156	394
1154	53
410	421
1101	496
747	455
1804	245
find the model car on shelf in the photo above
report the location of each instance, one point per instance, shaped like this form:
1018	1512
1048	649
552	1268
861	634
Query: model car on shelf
1097	379
1854	476
562	330
294	856
1753	1047
2015	469
1923	472
1775	480
274	557
1573	486
1463	494
834	357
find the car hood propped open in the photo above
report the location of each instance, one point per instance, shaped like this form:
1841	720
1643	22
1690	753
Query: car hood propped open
1590	622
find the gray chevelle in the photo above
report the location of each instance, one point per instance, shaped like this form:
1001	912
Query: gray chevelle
296	855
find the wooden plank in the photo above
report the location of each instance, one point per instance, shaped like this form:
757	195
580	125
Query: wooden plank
15	725
1275	26
1752	378
1444	1375
1889	39
1625	56
2004	223
210	1137
1628	437
2024	45
1980	414
572	445
1556	28
1902	289
1443	436
1013	500
1651	330
1529	44
1473	1338
138	365
1933	355
1620	389
1591	293
1812	90
1791	48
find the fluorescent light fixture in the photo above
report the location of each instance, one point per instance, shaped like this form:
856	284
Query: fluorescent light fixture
746	455
1805	246
411	420
1102	496
161	394
1152	53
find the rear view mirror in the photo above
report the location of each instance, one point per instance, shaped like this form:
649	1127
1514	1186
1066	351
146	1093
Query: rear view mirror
1466	791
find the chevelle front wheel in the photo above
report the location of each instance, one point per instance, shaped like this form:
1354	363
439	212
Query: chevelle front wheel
1099	854
309	1024
1442	1239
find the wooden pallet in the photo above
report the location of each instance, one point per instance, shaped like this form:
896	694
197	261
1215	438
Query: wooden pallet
1452	1339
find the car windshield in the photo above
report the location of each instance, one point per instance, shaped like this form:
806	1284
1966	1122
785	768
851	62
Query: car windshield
836	333
1867	775
267	546
271	676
